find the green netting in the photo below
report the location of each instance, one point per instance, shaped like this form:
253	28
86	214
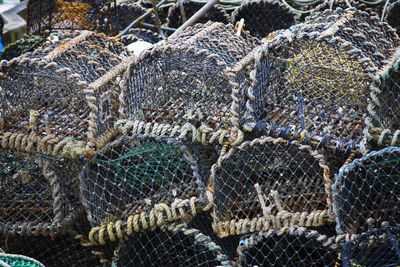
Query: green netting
10	260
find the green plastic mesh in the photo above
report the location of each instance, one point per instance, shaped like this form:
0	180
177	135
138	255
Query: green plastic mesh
265	16
313	80
270	183
18	261
172	246
146	182
288	247
366	192
45	16
49	94
27	44
373	248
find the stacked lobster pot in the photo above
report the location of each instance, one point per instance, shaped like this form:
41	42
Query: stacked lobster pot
51	121
305	115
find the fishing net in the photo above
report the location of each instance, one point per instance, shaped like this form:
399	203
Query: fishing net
372	10
66	248
392	16
121	16
373	248
294	246
182	87
47	15
48	99
172	246
384	124
177	16
143	183
366	192
312	81
27	44
12	260
262	17
38	193
139	34
270	183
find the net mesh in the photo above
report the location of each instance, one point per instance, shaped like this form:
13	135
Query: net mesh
384	127
120	16
47	15
27	44
184	83
146	182
137	34
47	98
366	192
373	248
314	79
176	16
175	246
18	261
270	183
38	193
265	16
288	247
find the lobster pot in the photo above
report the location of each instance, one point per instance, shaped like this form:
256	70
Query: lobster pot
384	120
294	246
172	246
392	17
366	192
373	248
176	18
45	16
261	17
145	182
184	83
270	183
371	9
139	34
18	260
66	248
24	45
37	193
314	79
48	96
120	16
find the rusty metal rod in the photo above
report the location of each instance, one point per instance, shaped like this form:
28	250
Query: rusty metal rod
195	17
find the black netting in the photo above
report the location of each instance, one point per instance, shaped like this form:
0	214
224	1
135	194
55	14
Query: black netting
138	34
314	79
47	96
120	16
288	247
270	183
392	16
366	192
373	248
47	15
176	16
27	44
146	182
175	246
265	16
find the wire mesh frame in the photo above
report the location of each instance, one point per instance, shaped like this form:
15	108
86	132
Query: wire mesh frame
156	201
296	112
36	194
170	246
292	246
45	16
158	100
261	17
383	122
366	192
269	183
49	80
176	14
379	247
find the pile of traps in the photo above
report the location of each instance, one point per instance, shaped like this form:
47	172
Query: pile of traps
270	137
